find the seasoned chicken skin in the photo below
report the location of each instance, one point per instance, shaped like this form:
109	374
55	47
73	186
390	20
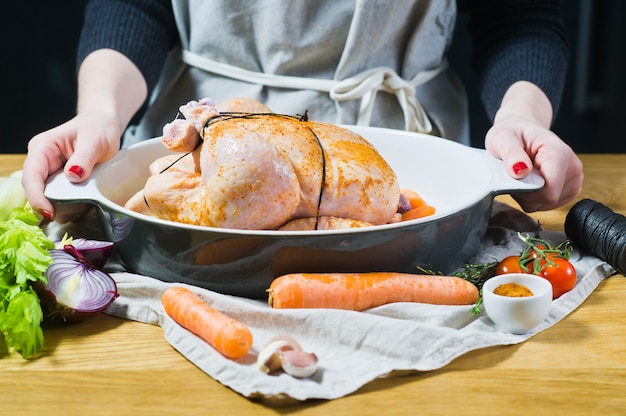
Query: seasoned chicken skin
259	170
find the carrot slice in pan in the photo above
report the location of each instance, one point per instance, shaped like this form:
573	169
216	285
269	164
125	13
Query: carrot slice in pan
414	198
419	212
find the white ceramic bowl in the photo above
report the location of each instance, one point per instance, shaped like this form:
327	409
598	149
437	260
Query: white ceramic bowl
518	315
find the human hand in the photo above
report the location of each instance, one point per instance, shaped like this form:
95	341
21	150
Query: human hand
522	138
110	91
76	146
524	145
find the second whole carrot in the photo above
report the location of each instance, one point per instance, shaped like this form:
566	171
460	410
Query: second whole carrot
361	291
228	336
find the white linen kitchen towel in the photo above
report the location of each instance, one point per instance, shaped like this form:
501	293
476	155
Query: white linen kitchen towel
354	348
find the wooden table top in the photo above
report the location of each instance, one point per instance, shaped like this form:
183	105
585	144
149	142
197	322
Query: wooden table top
110	366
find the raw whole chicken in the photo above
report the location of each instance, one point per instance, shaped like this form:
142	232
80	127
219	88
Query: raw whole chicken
245	167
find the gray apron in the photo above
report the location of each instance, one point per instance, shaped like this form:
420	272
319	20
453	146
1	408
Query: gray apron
364	62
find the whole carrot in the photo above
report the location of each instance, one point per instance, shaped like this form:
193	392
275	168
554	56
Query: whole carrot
230	337
360	291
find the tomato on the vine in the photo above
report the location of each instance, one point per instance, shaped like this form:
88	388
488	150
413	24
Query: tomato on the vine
545	261
536	251
562	275
510	265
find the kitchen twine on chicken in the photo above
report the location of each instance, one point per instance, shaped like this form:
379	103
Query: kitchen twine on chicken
235	115
304	117
364	85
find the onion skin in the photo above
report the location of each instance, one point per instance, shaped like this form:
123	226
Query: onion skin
75	289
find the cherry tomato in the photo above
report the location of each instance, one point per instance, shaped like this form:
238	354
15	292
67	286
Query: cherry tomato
562	276
509	265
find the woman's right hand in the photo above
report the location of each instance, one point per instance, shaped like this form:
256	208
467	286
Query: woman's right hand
110	91
75	146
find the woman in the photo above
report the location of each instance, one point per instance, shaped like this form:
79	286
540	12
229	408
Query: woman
351	62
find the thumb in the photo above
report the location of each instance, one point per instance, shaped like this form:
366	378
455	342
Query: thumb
511	151
87	153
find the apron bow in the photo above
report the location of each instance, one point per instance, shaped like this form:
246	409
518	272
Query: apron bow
364	85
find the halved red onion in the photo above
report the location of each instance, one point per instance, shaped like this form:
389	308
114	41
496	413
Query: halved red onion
75	290
95	251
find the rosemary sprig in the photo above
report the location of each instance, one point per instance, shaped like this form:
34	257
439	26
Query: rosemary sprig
477	274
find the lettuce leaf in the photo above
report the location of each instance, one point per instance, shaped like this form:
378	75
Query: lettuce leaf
24	259
20	323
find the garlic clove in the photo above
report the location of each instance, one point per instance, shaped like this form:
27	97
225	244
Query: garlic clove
283	351
268	359
270	364
298	363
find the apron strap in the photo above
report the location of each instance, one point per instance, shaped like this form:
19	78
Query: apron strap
364	85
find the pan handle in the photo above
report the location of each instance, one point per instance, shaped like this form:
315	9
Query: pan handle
60	190
502	183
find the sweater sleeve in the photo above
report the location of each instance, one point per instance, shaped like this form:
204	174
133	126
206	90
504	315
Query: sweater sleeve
142	30
517	40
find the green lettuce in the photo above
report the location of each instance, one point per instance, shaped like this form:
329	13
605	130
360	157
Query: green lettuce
24	259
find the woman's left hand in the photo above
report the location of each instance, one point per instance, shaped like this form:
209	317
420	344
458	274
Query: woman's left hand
521	137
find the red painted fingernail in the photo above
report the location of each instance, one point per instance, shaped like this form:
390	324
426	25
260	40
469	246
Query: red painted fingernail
519	166
46	214
77	170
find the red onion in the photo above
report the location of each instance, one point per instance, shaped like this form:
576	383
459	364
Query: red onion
95	251
404	205
75	289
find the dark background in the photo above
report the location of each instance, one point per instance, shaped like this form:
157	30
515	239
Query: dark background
39	46
593	111
38	70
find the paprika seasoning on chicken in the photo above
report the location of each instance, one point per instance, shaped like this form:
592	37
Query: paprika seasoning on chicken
513	290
